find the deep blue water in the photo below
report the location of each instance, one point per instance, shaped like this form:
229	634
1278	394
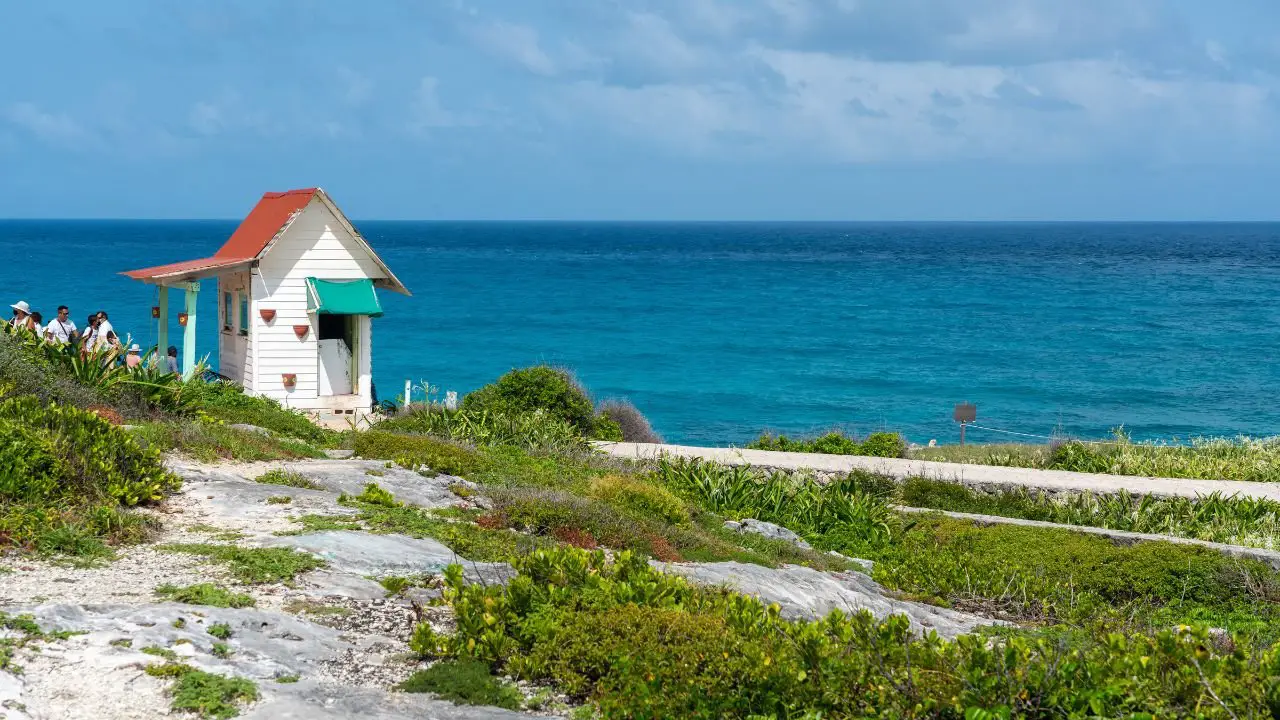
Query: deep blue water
717	331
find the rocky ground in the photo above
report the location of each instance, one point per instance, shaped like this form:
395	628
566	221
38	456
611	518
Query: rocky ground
330	645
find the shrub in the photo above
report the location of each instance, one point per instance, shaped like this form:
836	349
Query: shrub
278	476
629	493
535	430
210	695
881	444
466	682
633	425
374	494
413	451
210	441
1204	459
647	645
228	402
605	428
540	387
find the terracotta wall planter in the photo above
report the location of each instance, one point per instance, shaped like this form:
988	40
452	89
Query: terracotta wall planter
155	311
182	319
290	379
267	314
301	330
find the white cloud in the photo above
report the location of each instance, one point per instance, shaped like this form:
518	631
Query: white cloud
55	128
514	42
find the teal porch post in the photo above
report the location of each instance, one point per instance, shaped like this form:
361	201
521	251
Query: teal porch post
189	336
163	335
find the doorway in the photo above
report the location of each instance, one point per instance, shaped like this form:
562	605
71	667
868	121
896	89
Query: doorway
338	339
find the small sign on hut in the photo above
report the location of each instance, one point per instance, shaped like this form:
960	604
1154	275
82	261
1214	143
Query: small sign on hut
296	300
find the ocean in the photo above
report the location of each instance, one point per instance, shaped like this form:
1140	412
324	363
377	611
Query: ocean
717	331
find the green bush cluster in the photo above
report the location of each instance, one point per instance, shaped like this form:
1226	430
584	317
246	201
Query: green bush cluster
228	403
414	451
1040	574
1214	517
641	644
852	508
466	682
541	387
531	430
880	444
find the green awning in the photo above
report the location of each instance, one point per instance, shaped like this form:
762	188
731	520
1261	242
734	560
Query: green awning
342	297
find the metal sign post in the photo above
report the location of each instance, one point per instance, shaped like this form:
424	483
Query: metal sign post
964	414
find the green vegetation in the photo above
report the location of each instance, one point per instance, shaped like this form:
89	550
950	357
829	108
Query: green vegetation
253	565
632	425
66	478
852	510
415	451
159	652
1243	458
226	402
641	644
374	494
536	389
205	594
279	476
465	682
279	500
881	444
395	585
18	631
209	440
206	694
288	679
1215	517
222	631
534	430
221	650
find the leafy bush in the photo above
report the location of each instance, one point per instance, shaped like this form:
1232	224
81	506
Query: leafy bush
533	430
605	428
227	402
851	508
630	493
881	444
287	478
631	422
1059	575
374	494
541	387
413	451
207	694
646	645
466	682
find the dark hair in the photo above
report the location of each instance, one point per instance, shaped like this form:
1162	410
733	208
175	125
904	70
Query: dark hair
103	313
173	350
37	317
63	308
89	323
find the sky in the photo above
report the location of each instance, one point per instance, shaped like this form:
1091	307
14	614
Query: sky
645	109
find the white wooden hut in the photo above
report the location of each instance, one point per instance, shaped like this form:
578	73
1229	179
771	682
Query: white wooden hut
296	301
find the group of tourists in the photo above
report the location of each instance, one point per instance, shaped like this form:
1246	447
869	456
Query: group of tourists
98	335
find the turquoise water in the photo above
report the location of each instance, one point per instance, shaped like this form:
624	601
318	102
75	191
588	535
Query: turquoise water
717	331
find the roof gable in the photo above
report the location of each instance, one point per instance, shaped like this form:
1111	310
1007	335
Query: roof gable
272	213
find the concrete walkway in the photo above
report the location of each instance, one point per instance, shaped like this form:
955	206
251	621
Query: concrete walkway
977	475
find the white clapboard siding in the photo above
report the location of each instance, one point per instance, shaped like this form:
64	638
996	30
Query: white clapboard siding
235	356
316	245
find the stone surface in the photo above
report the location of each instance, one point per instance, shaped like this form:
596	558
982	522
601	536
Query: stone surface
246	427
12	699
769	530
363	554
339	454
350	476
805	593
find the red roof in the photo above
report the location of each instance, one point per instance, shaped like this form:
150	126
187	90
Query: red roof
256	231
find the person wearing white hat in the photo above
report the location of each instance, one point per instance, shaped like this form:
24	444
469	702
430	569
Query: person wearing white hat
134	358
21	315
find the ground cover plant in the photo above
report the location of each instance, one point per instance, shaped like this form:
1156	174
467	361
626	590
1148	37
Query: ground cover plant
880	444
206	694
212	440
640	644
204	594
465	682
1215	517
534	430
253	565
279	476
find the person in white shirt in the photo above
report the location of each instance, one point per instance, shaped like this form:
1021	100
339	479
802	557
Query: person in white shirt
106	335
62	329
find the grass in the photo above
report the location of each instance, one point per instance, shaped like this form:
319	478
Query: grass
17	632
222	631
288	478
204	594
1216	517
279	500
159	652
213	441
253	565
208	695
465	682
1249	459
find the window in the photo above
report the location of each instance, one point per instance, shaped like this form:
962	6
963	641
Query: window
226	312
244	313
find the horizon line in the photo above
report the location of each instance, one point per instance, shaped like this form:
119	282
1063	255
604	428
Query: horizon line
670	221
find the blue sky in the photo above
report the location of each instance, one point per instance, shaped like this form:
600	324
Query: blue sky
645	109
